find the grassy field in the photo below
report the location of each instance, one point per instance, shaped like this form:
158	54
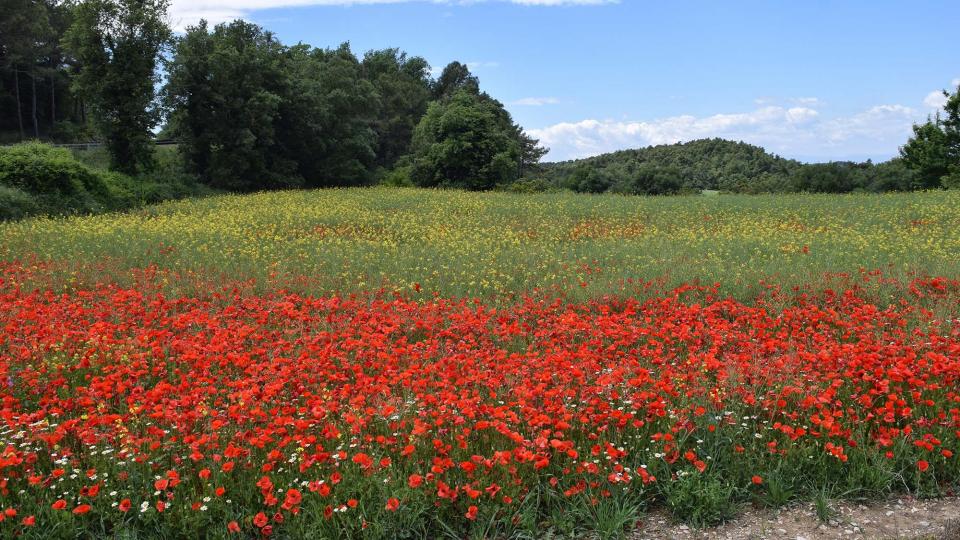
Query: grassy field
390	363
491	245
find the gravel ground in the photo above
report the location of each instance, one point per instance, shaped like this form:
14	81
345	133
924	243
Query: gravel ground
901	518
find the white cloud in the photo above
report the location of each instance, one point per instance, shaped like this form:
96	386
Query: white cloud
184	13
935	99
793	132
799	115
535	101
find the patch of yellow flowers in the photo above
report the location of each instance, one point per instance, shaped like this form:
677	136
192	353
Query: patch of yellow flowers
481	244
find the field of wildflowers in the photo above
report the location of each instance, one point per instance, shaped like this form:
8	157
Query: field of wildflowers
377	363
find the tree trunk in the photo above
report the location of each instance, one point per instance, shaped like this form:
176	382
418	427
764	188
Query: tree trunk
53	101
16	84
33	102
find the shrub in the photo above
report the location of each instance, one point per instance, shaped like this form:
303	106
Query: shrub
531	185
398	177
15	203
41	179
54	178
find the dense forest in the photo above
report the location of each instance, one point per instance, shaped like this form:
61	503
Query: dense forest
248	112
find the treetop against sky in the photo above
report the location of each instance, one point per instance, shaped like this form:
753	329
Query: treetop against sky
812	81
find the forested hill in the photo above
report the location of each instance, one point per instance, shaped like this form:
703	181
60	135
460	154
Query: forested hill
714	164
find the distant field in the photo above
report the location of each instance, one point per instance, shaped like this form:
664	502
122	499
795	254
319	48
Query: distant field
489	244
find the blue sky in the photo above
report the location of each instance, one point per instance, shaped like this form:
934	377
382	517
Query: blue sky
811	80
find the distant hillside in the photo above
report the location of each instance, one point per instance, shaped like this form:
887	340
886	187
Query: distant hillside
715	164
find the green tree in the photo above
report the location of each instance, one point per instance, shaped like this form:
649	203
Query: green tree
25	39
252	114
934	150
403	88
118	44
465	142
454	78
224	91
326	117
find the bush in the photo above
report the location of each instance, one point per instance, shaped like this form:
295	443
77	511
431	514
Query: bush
531	185
41	179
15	203
397	177
54	178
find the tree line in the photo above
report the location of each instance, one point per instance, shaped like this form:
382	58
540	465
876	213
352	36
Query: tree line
250	113
721	165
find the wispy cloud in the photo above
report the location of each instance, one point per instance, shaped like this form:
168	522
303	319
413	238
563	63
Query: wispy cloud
184	13
535	101
793	132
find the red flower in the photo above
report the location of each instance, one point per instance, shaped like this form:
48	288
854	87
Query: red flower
260	520
29	521
124	505
81	509
415	480
393	504
233	527
59	505
756	480
923	465
471	513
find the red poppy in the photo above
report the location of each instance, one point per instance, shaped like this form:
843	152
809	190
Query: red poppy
260	520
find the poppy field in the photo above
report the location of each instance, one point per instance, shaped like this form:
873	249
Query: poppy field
373	363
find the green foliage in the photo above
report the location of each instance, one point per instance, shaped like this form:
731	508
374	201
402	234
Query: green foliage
714	164
252	114
16	203
403	87
454	78
225	91
327	116
531	185
721	165
467	142
702	500
57	182
118	43
934	150
40	179
399	176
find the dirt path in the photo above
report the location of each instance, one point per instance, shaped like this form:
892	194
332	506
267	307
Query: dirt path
902	518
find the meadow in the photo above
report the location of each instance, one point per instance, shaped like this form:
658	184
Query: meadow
492	245
399	363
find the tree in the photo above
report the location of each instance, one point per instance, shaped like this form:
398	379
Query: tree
326	117
118	44
934	150
465	142
454	78
403	88
224	92
25	35
252	114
